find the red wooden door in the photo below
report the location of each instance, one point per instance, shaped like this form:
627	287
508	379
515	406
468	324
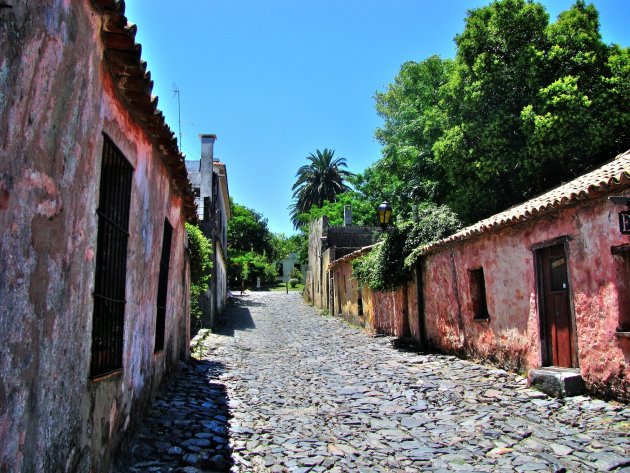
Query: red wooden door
556	313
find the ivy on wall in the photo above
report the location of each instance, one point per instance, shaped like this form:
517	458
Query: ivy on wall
200	251
386	267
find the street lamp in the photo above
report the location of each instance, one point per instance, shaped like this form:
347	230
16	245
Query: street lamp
384	213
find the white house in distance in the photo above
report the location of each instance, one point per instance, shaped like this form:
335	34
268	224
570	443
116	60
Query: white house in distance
209	180
286	265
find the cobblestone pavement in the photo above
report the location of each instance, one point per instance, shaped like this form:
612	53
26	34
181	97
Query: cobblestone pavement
307	393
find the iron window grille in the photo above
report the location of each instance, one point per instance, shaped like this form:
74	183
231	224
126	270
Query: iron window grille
111	262
160	321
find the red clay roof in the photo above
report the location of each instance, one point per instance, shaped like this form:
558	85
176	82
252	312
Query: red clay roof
129	71
611	176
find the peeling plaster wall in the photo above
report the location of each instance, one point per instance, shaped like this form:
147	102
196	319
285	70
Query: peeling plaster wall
56	99
323	295
511	335
347	296
316	273
387	312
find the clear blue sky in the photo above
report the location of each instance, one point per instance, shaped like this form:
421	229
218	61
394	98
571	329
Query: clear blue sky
277	79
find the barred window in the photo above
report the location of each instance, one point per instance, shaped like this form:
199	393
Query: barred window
111	261
160	322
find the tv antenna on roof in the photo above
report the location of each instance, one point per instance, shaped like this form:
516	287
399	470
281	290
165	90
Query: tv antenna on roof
177	92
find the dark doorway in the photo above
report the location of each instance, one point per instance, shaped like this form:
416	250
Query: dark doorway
555	310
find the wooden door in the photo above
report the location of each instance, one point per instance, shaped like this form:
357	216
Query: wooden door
555	308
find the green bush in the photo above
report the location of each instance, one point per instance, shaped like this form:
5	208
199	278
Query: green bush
296	274
249	266
386	267
200	252
293	282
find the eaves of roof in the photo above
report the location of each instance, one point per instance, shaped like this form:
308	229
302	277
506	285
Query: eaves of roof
352	256
613	175
130	75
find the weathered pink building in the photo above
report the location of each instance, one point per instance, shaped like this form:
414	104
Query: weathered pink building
546	283
94	277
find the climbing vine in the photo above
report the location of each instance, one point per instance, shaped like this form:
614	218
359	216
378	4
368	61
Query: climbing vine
200	252
386	267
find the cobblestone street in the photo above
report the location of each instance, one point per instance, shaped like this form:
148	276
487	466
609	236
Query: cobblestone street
308	393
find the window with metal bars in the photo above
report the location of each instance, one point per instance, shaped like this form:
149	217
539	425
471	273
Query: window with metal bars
111	261
160	321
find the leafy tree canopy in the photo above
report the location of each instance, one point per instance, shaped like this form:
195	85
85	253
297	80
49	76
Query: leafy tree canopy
251	246
286	245
363	211
524	105
248	231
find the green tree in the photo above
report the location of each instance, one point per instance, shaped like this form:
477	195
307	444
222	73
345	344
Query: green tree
285	245
413	116
251	247
321	180
248	231
524	105
497	73
581	115
363	211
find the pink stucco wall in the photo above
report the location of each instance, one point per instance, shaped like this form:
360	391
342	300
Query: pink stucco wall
511	335
56	100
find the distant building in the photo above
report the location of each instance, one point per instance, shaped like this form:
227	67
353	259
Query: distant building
325	245
209	180
286	265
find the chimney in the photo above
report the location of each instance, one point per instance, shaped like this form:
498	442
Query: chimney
205	168
347	215
207	148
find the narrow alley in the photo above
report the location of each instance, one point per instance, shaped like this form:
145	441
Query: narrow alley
283	388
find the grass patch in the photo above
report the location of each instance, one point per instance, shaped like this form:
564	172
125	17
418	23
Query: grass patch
279	287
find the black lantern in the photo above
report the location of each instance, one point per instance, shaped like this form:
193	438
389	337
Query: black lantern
384	214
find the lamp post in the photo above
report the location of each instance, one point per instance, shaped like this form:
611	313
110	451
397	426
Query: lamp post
384	213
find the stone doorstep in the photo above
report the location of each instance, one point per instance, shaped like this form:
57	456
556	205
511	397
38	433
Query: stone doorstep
557	382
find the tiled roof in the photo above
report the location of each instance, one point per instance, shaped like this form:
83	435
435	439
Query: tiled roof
611	176
129	72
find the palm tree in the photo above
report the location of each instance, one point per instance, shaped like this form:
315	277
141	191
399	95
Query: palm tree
318	181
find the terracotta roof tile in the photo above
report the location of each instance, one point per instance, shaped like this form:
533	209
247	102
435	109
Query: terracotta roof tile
129	72
615	174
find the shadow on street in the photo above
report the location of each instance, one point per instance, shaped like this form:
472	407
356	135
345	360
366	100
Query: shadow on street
237	316
187	425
